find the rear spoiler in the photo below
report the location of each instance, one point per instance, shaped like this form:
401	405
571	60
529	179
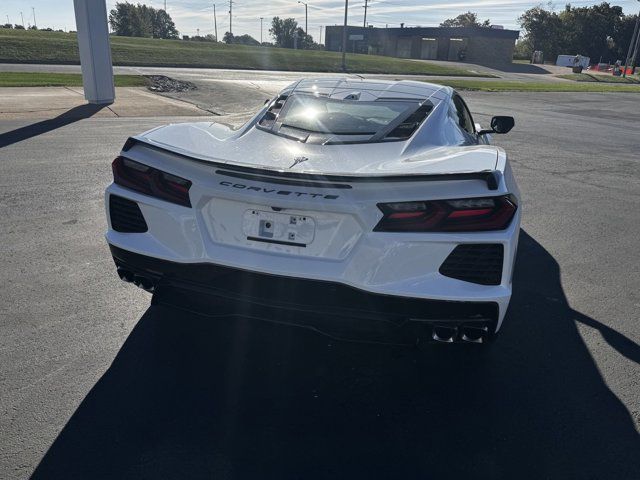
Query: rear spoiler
490	177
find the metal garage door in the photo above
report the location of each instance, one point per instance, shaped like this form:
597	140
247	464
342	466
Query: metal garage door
429	49
403	50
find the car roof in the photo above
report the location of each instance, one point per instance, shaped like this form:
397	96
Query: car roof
358	88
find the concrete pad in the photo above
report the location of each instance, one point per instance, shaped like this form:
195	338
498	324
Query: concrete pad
44	102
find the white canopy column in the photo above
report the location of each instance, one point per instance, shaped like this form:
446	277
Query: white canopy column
95	52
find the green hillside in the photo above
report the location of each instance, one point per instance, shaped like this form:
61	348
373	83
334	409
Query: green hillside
28	46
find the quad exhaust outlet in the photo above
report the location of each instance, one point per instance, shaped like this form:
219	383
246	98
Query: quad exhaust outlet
138	280
465	333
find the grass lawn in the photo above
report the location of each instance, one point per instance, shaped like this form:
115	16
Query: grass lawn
508	86
23	79
27	46
590	77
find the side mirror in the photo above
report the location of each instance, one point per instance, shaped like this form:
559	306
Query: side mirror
500	125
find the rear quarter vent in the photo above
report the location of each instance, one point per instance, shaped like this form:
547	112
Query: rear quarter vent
126	216
475	263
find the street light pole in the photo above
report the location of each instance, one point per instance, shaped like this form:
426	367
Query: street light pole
261	30
306	17
344	36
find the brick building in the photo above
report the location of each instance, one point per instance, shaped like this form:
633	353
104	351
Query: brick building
471	44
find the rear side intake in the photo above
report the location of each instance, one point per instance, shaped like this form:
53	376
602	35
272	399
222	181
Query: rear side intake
126	216
475	263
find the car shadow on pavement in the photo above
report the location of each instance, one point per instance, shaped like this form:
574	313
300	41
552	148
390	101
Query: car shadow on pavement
195	397
72	115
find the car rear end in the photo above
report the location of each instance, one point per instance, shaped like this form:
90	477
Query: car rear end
381	258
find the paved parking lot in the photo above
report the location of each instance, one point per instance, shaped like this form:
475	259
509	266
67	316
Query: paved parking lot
95	383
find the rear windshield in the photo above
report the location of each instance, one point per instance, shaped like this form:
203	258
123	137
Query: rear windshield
361	119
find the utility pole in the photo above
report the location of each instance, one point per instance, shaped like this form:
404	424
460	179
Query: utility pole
215	23
631	45
230	16
320	41
366	4
8	21
165	6
306	17
22	17
635	54
261	30
344	36
197	32
35	24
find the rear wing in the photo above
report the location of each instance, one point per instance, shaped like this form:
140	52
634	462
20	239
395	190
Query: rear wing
490	177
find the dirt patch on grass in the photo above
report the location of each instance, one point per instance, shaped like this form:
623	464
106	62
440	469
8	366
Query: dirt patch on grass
164	84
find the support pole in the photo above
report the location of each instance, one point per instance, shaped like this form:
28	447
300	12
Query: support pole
366	4
215	23
95	51
344	36
634	58
631	44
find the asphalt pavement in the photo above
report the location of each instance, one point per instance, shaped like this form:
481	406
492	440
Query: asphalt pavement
96	383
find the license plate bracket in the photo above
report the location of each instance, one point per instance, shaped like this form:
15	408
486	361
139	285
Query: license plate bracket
279	228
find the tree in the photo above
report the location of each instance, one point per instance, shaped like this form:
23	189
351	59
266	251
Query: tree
18	27
283	30
7	25
305	41
469	19
599	31
523	49
245	40
163	26
544	30
130	20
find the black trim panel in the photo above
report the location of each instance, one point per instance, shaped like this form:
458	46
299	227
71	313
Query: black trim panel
329	307
277	242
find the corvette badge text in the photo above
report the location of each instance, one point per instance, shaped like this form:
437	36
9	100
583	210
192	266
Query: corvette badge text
240	186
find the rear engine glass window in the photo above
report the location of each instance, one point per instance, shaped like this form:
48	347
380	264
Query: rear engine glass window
316	115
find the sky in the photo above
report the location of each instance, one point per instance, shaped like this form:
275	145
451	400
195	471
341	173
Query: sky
191	16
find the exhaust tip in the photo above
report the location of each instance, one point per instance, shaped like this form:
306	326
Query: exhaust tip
474	333
125	275
443	333
144	283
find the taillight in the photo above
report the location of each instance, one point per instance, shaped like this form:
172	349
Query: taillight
151	181
462	215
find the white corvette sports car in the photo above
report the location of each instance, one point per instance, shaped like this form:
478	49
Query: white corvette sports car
372	210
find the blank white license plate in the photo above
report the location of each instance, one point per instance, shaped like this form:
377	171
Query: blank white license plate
279	228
